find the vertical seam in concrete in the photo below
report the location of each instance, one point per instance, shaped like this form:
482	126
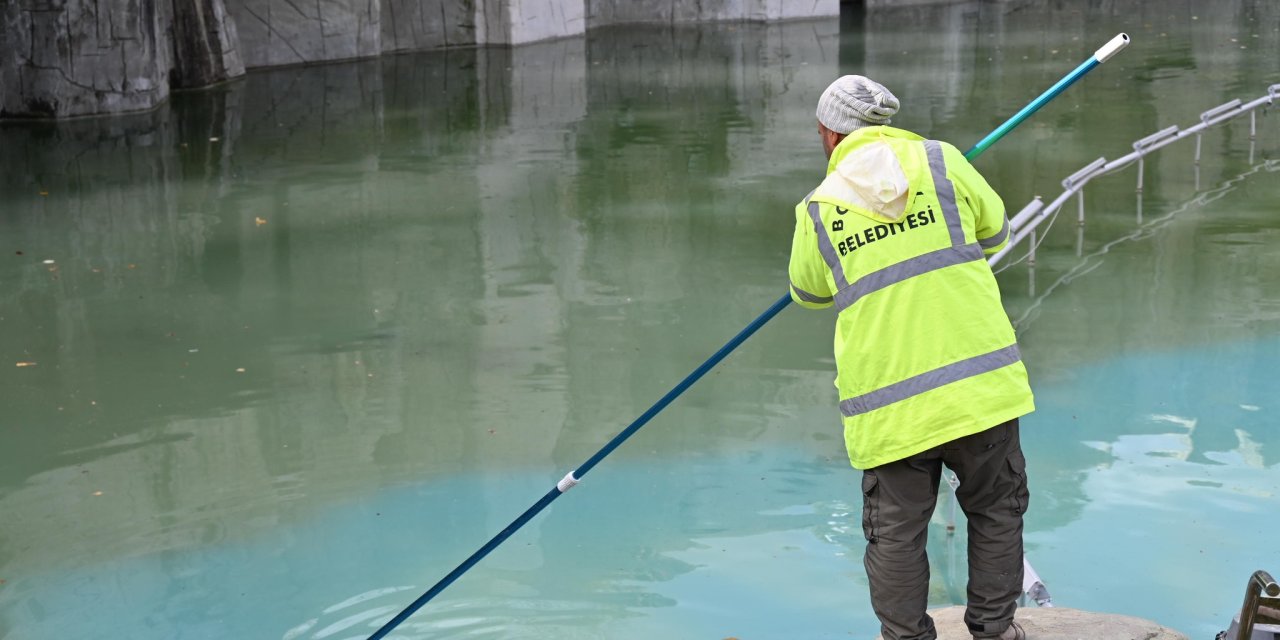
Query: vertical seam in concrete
63	24
324	49
444	24
395	35
97	20
271	31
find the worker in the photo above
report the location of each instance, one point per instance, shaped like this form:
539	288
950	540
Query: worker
928	369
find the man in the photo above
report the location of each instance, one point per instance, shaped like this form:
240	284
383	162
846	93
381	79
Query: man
896	239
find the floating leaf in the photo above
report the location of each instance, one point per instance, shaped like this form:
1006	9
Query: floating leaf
259	221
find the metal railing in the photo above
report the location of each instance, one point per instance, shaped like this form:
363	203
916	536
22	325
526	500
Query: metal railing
1261	597
1024	224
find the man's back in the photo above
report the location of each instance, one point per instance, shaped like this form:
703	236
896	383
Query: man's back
896	236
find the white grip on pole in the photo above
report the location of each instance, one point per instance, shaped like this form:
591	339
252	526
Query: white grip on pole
1111	48
567	482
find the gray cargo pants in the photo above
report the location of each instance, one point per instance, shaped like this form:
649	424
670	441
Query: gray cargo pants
898	501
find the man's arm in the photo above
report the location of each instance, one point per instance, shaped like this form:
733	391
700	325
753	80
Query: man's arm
810	283
991	227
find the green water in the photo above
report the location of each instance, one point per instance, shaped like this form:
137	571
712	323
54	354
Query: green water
308	339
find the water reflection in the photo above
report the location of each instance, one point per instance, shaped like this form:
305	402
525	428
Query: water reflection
331	327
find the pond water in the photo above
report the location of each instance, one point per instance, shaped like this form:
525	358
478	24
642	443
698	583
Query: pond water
288	350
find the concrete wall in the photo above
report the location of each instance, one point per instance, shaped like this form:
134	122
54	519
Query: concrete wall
206	46
275	33
414	25
81	57
73	57
61	58
603	12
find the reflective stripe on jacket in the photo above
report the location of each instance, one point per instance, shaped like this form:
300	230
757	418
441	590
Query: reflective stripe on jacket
895	239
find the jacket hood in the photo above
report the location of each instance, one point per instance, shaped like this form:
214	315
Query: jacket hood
866	173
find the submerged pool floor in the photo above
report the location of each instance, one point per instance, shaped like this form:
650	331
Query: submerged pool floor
1142	501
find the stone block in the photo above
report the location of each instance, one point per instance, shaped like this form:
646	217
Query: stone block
275	32
413	25
77	58
533	20
205	44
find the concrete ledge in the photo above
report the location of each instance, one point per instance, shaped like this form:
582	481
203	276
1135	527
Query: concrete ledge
1060	624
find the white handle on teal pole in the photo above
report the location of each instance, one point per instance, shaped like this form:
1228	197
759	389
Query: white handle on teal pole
1111	48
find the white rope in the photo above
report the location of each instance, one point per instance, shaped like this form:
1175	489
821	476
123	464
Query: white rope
567	482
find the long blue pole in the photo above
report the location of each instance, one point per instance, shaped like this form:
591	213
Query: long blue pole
572	479
581	471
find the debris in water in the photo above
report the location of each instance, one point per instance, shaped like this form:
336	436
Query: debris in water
49	262
19	252
259	221
97	493
43	192
26	364
213	139
240	370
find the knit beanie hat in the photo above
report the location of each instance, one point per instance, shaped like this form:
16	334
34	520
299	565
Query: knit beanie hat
853	102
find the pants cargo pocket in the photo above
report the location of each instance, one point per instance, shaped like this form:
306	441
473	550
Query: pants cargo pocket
870	506
1021	496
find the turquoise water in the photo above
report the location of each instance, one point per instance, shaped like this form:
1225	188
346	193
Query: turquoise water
307	340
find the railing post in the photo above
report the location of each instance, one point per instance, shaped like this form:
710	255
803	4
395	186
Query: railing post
1077	180
1261	588
1155	140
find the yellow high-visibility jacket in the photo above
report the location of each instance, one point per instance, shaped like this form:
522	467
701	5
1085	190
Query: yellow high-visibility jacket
896	239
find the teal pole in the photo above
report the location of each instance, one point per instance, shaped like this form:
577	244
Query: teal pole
573	477
1100	56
